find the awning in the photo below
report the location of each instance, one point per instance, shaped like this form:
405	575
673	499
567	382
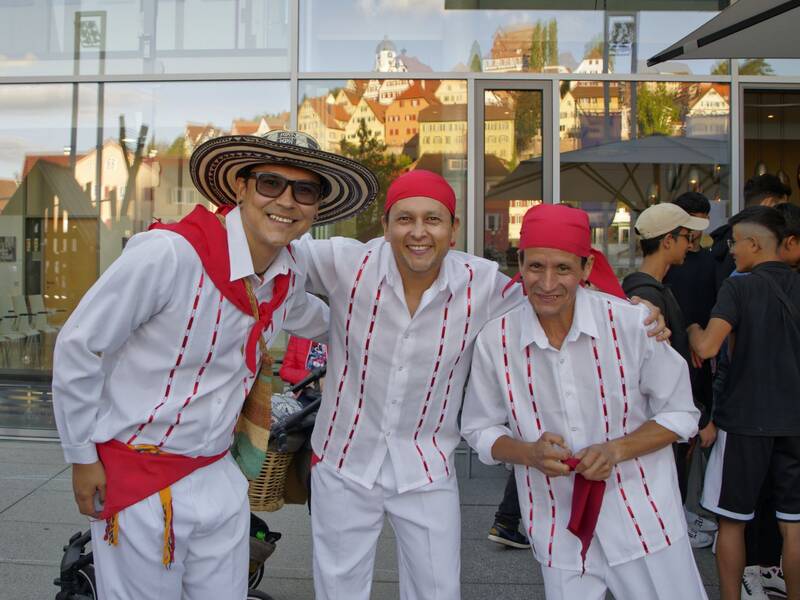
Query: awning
746	29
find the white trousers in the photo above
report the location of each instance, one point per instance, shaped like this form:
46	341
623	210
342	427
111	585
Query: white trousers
347	518
664	575
211	521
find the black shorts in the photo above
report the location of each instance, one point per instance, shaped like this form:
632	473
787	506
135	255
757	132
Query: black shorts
740	465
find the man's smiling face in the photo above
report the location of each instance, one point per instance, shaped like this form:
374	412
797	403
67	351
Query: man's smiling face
274	222
420	231
551	279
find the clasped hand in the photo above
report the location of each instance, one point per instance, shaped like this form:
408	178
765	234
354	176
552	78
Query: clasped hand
550	450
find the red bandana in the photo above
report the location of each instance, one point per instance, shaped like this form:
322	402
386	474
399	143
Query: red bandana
587	498
421	183
208	237
565	228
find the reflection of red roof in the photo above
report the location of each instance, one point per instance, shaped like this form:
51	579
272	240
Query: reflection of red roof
244	127
57	159
458	112
414	65
593	91
279	121
722	89
333	116
378	109
416	90
7	188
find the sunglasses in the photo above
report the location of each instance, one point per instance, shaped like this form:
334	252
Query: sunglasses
273	185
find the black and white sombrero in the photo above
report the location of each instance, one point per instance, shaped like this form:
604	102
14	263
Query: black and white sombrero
348	186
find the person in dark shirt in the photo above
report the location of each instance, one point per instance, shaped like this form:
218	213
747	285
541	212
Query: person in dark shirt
666	231
757	414
763	190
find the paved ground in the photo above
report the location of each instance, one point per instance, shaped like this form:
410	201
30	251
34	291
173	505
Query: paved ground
37	516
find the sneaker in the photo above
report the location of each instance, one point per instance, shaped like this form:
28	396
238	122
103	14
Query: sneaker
714	545
508	537
773	582
695	521
752	589
700	539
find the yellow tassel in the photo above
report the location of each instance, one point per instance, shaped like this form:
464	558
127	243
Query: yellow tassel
168	555
112	530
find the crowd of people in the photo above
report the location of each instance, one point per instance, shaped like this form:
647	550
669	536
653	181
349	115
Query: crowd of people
555	372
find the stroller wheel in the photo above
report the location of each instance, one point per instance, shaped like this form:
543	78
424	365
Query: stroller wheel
86	586
257	595
255	577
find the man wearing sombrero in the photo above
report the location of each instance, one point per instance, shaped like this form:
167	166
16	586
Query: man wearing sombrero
152	368
569	381
405	310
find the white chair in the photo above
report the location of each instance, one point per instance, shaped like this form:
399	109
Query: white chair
31	355
40	314
11	341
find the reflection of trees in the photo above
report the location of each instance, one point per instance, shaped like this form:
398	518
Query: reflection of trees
527	122
544	45
371	152
657	111
751	66
132	164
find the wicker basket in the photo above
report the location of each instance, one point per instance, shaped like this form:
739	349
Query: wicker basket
266	491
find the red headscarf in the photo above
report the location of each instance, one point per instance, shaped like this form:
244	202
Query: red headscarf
421	183
562	227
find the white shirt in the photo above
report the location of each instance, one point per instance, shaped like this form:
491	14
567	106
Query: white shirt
565	392
394	382
153	354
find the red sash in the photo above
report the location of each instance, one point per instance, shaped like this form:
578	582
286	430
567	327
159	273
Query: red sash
133	475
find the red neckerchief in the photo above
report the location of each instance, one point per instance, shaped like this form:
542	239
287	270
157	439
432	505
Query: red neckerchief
587	499
202	229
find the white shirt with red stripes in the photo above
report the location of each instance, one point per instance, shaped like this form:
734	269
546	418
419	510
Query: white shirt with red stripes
394	382
607	380
153	354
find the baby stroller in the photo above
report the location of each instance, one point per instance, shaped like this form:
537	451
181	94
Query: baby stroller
76	580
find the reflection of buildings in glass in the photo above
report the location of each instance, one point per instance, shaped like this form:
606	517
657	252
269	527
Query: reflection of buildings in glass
601	121
372	114
195	134
525	48
452	91
324	120
402	117
443	130
349	96
708	112
60	231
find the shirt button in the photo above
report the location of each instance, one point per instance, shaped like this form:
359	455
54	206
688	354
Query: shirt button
561	361
388	434
574	428
400	368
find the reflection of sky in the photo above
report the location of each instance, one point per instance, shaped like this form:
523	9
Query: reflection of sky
341	35
36	119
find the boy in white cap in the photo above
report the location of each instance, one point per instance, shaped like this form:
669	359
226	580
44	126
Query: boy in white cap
666	232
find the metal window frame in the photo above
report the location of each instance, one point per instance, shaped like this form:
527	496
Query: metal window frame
476	140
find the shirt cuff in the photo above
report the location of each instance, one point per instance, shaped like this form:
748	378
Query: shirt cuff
682	424
486	440
82	454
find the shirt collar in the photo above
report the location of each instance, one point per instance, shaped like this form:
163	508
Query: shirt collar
531	330
241	262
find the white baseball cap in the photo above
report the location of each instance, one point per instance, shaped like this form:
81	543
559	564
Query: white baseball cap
663	218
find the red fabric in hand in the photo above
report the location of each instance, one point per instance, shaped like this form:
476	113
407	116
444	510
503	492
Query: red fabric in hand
587	499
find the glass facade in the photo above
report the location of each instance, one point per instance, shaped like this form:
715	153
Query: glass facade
101	104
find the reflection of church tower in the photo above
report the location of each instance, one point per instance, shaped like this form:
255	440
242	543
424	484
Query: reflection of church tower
386	58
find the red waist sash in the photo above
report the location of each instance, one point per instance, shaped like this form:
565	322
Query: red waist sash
133	475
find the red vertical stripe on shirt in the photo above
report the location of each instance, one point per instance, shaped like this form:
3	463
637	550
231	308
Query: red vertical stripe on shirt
178	361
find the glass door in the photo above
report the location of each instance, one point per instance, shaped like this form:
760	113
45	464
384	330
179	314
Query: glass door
513	166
